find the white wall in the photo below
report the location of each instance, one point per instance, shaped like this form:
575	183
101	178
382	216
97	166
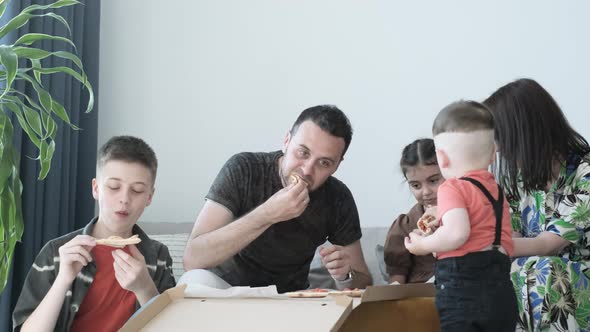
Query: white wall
201	80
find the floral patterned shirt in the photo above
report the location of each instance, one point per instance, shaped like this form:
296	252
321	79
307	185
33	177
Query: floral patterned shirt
564	210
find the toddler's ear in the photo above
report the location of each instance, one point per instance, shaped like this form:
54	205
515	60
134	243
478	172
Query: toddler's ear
442	158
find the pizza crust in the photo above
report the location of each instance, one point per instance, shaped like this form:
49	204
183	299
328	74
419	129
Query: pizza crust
118	242
319	293
295	178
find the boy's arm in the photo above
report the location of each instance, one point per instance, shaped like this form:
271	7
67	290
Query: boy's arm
43	317
216	237
453	233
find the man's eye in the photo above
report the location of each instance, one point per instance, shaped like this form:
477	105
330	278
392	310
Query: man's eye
302	153
415	186
325	163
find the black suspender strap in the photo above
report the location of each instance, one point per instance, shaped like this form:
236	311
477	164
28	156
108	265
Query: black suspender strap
496	204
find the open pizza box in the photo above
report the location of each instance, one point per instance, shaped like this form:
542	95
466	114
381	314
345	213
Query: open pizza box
408	307
173	311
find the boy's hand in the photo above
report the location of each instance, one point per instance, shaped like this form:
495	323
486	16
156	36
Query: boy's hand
132	274
73	256
414	244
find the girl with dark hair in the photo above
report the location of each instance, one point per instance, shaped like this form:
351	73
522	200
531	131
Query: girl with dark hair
544	166
420	169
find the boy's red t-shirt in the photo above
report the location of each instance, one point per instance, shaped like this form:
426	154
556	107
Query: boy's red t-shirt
455	193
106	306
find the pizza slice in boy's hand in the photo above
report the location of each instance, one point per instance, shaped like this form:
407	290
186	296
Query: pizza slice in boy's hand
423	224
118	242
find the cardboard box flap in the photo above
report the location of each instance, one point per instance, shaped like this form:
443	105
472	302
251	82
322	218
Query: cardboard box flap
396	292
151	309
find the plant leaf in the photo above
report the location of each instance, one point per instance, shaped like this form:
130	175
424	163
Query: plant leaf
46	154
30	38
80	77
6	132
33	119
16	22
59	110
10	61
31	53
3	5
57	4
44	96
16	108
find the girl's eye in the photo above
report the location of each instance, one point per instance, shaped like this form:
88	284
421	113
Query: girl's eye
415	186
137	191
112	188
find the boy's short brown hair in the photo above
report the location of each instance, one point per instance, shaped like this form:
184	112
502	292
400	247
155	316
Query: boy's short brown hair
463	116
130	149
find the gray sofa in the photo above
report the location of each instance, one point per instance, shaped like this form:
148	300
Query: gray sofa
175	235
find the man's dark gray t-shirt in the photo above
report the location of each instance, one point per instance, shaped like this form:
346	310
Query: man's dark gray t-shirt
282	254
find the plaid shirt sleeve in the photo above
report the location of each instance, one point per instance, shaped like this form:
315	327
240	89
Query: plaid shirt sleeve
37	284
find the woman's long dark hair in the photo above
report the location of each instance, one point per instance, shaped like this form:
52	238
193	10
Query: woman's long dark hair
419	152
531	132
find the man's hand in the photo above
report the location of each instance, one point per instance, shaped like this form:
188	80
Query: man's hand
414	244
336	260
287	203
132	274
73	256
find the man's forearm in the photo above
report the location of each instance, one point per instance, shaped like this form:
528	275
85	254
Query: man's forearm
211	249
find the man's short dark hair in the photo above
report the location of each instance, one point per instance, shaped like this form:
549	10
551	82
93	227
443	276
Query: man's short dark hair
463	116
330	118
129	149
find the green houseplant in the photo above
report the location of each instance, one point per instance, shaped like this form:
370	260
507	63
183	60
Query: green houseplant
38	114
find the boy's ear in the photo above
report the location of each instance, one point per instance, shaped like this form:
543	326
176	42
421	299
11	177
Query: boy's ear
149	201
443	158
95	189
286	141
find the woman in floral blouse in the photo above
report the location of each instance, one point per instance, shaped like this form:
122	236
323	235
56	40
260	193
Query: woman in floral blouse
544	167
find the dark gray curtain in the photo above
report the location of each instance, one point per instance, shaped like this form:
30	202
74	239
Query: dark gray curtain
63	201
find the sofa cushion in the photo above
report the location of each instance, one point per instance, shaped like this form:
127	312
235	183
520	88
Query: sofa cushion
176	244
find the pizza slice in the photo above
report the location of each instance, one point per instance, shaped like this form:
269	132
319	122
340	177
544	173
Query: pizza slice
423	224
294	178
349	292
118	242
309	293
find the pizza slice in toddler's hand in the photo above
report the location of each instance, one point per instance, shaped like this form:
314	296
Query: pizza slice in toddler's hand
118	242
423	224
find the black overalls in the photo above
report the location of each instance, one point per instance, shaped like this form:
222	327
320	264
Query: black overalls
474	292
